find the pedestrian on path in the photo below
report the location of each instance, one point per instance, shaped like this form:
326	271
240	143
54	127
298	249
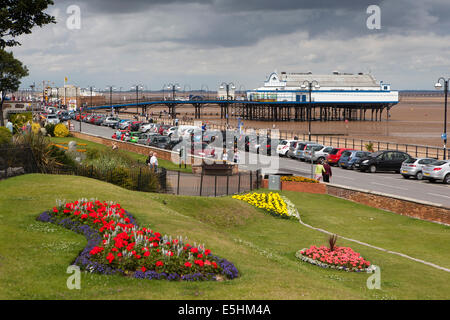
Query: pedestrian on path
148	162
327	173
154	162
9	126
319	171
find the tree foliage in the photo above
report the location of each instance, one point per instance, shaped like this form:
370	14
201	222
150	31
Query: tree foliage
11	71
18	17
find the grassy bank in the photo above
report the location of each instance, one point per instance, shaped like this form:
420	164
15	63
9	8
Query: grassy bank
34	255
169	165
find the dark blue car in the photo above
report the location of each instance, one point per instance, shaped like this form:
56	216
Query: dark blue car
349	158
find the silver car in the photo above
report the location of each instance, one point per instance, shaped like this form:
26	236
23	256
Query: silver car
437	170
317	153
413	167
301	148
52	118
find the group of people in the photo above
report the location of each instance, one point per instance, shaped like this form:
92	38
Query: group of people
323	171
152	161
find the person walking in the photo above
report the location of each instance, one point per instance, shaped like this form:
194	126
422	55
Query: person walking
327	171
319	171
148	161
154	162
9	126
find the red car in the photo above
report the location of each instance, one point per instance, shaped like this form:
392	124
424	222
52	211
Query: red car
335	154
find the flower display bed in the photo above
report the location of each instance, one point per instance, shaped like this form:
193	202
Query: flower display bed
340	258
271	202
117	245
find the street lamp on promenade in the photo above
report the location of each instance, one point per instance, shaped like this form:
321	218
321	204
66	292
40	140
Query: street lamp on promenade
111	88
174	88
227	87
309	85
438	86
137	87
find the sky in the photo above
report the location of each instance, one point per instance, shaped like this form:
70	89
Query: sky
199	44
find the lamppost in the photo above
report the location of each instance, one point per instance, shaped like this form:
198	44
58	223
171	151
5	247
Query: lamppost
111	88
174	88
438	86
137	87
91	89
227	87
310	85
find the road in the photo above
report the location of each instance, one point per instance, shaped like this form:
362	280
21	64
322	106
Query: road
389	183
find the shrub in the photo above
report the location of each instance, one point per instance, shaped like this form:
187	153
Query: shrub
36	127
369	147
20	119
61	130
61	157
298	179
5	136
50	128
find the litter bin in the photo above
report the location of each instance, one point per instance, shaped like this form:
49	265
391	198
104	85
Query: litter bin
274	182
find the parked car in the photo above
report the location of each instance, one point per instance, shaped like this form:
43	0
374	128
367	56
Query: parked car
319	155
52	118
413	167
124	124
132	136
335	154
292	148
64	116
110	122
300	150
204	150
99	120
162	142
145	138
146	127
309	150
283	147
388	160
350	157
437	170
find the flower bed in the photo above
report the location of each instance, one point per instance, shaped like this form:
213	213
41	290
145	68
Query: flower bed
117	245
271	202
340	258
298	179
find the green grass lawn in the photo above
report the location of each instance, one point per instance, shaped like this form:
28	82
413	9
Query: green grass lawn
34	256
169	165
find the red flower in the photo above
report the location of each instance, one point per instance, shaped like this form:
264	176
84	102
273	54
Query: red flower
55	210
159	263
214	265
187	264
194	250
147	253
110	257
84	216
143	269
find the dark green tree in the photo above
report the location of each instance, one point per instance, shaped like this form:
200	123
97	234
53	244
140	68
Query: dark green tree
11	71
18	17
